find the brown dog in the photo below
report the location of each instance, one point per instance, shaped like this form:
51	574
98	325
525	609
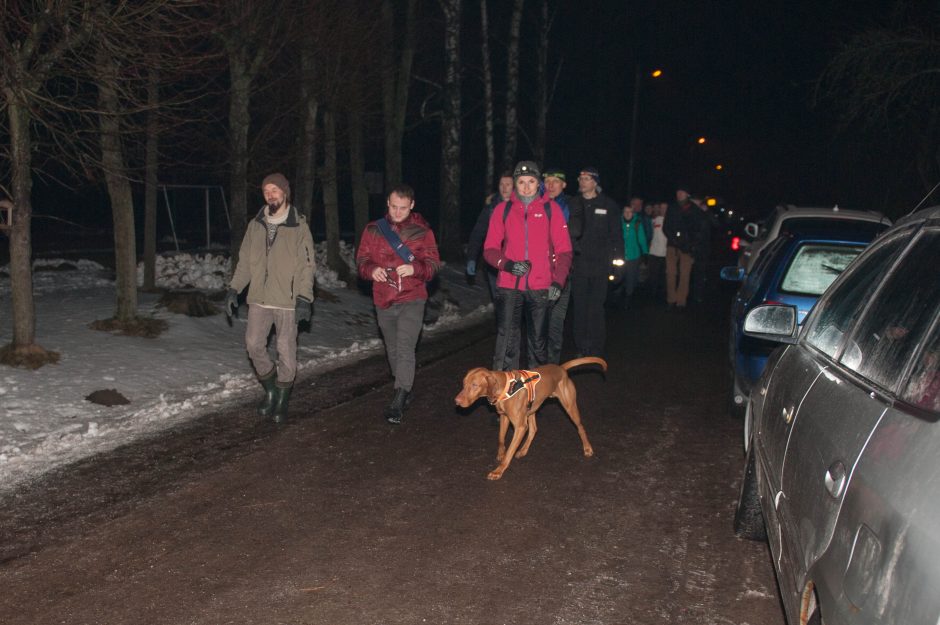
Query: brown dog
520	407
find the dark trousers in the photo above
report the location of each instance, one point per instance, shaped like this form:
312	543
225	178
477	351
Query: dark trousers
656	266
624	288
588	293
556	325
512	305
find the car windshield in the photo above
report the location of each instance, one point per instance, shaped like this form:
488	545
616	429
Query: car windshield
815	266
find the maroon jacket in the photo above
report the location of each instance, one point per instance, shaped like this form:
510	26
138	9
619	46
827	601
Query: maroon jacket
529	234
375	251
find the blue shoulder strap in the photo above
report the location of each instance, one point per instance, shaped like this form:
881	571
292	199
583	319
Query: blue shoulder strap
395	241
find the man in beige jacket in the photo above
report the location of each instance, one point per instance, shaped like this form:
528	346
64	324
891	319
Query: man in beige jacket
276	262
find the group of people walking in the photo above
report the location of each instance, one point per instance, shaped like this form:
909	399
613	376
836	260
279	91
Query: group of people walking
544	252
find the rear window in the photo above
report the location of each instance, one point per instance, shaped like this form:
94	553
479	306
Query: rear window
814	224
815	266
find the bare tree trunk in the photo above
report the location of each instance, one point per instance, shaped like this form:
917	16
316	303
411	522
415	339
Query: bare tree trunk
331	197
239	120
119	190
449	224
541	113
151	164
395	84
307	166
512	86
21	248
357	171
490	173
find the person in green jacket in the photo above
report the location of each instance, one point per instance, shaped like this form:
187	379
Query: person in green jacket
276	262
635	248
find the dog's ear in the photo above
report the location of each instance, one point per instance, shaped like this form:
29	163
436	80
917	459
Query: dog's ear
491	385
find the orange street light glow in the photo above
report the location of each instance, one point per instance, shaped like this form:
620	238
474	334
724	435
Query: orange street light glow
719	167
701	140
656	73
711	201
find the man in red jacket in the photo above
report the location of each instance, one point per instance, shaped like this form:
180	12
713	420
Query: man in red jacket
529	246
399	255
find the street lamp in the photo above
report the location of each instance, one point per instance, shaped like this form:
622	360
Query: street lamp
701	140
637	81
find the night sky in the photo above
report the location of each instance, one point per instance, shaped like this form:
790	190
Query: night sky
742	74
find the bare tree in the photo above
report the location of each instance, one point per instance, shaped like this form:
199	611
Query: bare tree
449	224
886	81
250	33
488	126
151	165
512	85
396	79
545	86
35	42
331	196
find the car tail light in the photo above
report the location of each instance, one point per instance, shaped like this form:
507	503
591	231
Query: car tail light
773	302
735	244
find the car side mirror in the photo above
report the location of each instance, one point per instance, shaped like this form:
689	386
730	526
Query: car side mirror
772	322
751	229
732	274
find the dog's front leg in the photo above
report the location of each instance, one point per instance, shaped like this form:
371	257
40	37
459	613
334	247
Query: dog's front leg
503	428
517	435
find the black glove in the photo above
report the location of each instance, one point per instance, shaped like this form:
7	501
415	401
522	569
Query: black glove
231	303
303	311
554	292
517	267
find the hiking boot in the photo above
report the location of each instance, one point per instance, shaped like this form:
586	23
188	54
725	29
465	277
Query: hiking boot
266	406
281	397
396	410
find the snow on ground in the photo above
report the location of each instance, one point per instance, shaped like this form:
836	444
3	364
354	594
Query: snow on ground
199	365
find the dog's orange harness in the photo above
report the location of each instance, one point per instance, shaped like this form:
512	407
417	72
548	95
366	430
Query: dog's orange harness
518	380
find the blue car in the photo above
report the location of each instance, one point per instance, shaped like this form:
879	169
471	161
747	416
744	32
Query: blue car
794	269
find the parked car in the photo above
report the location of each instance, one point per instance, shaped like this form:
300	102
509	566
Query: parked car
795	268
842	431
788	218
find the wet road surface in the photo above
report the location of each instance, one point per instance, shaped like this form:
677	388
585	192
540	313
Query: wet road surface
339	518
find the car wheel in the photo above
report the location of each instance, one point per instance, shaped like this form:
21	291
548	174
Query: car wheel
748	519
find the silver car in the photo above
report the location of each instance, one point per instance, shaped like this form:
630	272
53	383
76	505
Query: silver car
842	471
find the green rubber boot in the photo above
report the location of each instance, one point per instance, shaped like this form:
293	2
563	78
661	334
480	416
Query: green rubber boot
281	397
268	382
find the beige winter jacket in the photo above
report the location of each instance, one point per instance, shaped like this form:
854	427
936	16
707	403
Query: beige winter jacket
276	277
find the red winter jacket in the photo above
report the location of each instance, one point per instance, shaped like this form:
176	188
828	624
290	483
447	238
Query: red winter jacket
375	251
529	234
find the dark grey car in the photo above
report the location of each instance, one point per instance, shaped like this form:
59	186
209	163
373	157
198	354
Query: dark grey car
843	440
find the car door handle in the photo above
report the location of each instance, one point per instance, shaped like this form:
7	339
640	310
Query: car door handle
835	479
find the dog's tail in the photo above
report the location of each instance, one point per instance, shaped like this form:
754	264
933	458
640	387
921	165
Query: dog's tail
589	360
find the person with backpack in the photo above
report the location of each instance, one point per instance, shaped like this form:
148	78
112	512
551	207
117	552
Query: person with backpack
398	254
527	242
627	259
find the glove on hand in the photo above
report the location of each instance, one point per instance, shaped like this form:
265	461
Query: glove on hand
303	311
554	292
471	267
231	303
517	267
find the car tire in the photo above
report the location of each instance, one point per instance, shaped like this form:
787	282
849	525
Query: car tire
748	519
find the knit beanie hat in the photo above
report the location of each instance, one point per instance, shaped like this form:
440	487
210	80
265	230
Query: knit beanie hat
592	172
279	181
